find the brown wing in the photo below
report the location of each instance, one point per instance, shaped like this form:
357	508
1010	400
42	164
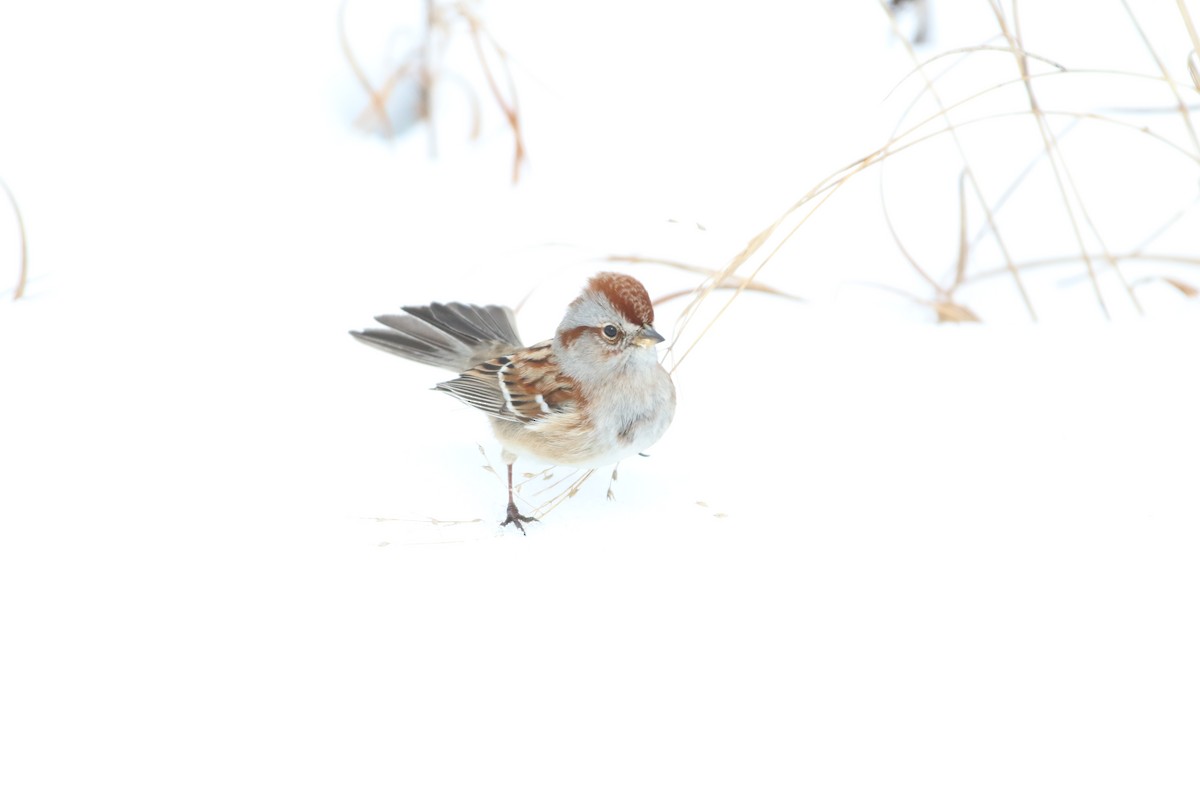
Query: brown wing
522	387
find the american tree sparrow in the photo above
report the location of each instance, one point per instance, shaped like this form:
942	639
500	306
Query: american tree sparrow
592	395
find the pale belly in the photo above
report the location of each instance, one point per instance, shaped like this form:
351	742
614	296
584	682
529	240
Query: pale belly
626	428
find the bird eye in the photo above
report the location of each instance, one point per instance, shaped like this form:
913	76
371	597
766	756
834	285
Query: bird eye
610	332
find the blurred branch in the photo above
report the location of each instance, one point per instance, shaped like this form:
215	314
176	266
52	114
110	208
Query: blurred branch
422	69
377	98
508	106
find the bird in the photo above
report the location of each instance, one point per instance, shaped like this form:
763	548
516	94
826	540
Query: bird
593	394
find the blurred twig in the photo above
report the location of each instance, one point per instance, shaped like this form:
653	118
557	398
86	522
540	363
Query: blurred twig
422	67
378	98
480	35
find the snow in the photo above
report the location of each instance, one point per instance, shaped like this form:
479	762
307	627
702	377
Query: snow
243	556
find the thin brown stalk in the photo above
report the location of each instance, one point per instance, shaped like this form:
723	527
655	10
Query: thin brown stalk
943	303
946	310
896	240
705	288
1186	289
24	270
964	245
1082	115
422	65
911	137
570	492
970	173
899	242
825	190
826	186
472	98
1004	197
1041	76
546	475
1191	29
1133	256
723	283
508	105
892	149
726	286
1162	68
1063	177
377	99
981	48
426	77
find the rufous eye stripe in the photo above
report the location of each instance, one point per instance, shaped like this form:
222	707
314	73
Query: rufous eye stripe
569	336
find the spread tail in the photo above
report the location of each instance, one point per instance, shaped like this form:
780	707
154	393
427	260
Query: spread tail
453	336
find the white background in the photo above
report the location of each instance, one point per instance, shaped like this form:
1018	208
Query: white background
873	556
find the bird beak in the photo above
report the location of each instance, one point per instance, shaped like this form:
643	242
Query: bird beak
648	337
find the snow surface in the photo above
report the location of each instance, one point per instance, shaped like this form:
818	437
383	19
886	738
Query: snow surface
873	557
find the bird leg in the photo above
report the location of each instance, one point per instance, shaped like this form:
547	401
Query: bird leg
514	516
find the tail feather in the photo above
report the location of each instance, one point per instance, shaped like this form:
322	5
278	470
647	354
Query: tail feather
453	336
470	324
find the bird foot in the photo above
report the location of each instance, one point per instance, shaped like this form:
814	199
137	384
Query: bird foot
516	518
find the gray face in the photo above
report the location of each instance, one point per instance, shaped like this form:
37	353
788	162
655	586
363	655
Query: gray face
595	340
